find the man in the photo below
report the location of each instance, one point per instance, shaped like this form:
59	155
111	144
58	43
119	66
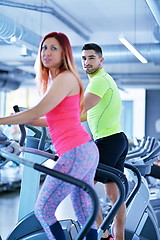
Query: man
102	110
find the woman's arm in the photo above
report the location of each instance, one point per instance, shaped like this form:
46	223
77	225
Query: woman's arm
41	122
61	87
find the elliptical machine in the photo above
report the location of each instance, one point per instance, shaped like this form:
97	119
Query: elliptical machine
141	220
29	227
142	225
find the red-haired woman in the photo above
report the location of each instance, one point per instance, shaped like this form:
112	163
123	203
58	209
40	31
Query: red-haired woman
61	105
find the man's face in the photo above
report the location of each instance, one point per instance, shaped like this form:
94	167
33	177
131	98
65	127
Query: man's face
91	61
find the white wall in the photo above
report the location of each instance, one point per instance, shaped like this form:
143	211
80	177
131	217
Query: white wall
138	98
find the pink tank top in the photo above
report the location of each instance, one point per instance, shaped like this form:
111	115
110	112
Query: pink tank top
65	127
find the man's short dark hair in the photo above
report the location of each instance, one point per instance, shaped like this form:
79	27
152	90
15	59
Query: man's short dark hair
93	46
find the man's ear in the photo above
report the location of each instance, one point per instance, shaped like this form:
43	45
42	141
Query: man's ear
102	59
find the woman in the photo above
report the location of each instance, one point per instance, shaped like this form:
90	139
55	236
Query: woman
61	105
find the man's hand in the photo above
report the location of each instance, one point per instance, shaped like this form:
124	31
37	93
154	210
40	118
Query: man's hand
84	117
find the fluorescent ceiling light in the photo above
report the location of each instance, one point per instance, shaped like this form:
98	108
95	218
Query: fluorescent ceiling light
132	49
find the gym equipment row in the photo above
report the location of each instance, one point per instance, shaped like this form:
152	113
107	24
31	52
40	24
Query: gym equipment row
28	227
142	219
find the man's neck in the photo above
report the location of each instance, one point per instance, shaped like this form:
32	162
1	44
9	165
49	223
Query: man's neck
92	74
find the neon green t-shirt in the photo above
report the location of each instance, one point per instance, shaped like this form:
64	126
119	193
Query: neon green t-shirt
104	118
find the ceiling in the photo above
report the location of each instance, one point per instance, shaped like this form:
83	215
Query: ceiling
23	23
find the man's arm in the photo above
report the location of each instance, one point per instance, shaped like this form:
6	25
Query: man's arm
90	100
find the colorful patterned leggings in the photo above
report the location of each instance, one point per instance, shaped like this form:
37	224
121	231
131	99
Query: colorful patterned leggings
80	162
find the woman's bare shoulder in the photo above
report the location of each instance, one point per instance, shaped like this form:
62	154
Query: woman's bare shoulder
67	73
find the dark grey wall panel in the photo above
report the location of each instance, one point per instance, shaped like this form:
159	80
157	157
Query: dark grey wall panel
152	113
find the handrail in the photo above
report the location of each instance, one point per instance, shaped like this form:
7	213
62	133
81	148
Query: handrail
118	173
22	128
119	178
142	152
151	145
138	148
41	134
138	184
150	158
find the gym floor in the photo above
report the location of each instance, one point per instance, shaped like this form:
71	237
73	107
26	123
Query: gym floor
9	203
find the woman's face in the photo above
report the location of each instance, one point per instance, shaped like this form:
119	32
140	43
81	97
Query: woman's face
51	53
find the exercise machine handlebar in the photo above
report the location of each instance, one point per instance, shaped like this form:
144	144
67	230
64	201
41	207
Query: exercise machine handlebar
22	128
40	134
138	148
142	152
120	179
